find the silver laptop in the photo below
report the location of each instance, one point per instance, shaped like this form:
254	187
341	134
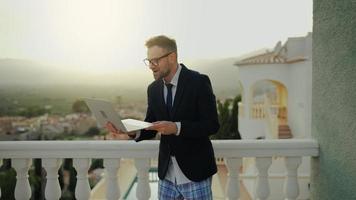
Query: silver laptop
104	112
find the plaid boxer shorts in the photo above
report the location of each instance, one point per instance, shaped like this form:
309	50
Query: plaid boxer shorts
189	191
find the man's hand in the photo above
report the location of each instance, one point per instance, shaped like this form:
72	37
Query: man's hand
117	134
164	127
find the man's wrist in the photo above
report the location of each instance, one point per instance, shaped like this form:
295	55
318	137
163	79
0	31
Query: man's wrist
132	135
178	125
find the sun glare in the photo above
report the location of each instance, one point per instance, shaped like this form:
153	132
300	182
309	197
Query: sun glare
92	32
110	34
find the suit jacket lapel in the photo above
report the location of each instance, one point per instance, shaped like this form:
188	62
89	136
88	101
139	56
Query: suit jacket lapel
180	89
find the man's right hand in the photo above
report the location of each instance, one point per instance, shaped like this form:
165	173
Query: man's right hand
117	134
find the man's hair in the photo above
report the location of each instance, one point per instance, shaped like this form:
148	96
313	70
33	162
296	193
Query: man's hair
163	42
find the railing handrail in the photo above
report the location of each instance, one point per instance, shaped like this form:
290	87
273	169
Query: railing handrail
149	149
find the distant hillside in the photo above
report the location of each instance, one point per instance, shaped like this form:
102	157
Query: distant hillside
222	72
223	75
27	72
15	71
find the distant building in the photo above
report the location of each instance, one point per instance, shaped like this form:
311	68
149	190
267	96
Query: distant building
276	87
276	104
81	123
11	127
45	126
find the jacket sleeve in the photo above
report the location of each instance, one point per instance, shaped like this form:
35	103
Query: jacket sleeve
150	117
207	123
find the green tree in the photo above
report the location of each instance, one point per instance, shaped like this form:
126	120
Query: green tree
36	177
7	180
228	119
79	106
68	166
96	163
32	111
93	131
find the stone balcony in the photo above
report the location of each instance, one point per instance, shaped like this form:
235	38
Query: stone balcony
233	151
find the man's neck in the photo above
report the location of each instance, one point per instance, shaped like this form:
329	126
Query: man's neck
168	78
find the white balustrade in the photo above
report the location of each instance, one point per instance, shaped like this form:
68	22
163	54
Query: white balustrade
233	183
22	189
143	191
291	187
258	111
51	152
262	188
82	190
53	189
112	188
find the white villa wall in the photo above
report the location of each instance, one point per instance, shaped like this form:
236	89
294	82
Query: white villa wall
297	79
300	91
299	99
249	75
251	128
308	99
296	47
252	73
308	46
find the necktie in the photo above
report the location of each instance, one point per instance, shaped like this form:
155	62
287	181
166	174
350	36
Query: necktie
169	98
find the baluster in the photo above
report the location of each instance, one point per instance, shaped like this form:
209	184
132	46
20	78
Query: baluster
53	189
112	188
262	188
22	189
143	190
82	190
233	184
291	186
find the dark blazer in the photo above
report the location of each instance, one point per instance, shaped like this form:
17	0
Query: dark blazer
195	107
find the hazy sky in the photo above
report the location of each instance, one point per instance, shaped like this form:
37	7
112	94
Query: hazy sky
111	33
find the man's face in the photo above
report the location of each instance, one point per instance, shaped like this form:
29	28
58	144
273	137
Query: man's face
159	62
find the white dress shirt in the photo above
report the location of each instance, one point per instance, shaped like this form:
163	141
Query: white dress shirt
174	173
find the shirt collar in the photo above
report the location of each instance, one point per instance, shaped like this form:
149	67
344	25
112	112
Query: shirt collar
174	80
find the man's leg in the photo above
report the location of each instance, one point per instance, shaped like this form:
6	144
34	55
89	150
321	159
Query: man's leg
167	191
197	190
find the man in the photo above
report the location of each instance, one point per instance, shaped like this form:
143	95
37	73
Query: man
182	108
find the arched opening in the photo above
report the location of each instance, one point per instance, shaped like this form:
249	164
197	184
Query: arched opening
268	92
269	101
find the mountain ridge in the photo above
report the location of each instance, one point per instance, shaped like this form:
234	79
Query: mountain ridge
222	72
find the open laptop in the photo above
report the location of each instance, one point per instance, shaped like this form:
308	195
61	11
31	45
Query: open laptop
104	112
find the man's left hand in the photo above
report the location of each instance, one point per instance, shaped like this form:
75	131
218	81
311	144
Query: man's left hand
164	127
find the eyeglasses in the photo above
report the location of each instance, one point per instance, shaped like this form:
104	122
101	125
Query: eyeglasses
155	61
